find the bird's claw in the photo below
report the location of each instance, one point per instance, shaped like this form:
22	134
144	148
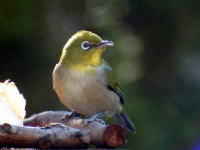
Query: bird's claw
89	120
100	121
71	115
75	114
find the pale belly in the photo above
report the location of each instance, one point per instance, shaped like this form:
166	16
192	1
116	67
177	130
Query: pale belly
85	94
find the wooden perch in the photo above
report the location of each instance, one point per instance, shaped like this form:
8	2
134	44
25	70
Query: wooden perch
55	135
101	135
57	129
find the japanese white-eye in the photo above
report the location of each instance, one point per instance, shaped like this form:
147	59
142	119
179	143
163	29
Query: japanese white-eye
84	81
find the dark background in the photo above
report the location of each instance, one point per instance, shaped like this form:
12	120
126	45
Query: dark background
156	57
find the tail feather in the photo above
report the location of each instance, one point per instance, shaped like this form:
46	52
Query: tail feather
124	120
119	119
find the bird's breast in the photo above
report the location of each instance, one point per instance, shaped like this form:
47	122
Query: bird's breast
84	93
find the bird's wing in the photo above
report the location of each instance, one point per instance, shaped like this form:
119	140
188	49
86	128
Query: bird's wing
112	82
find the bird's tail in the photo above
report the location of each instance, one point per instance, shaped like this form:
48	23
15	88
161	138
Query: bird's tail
123	119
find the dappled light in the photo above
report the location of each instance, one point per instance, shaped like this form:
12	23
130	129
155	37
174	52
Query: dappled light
156	57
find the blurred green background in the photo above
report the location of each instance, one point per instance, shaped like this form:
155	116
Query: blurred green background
156	57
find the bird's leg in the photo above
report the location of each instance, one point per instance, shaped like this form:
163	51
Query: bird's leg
71	115
75	114
95	118
98	115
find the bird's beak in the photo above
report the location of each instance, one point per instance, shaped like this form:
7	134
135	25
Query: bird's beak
105	44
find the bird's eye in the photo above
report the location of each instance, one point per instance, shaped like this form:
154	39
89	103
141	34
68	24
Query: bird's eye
85	45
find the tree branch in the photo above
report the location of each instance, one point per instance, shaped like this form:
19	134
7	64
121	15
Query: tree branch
102	135
53	136
57	129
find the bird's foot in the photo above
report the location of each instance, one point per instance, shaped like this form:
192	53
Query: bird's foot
95	118
100	121
71	115
89	120
75	114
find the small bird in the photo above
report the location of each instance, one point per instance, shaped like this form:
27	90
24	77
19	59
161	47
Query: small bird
84	81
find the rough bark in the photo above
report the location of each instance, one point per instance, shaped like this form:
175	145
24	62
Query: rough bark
52	136
102	135
58	129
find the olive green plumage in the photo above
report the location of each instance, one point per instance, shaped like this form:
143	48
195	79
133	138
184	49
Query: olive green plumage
85	82
73	54
113	83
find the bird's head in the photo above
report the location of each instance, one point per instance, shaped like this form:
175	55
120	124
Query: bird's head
84	48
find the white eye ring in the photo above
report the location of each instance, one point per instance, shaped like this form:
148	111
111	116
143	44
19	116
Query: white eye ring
85	45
